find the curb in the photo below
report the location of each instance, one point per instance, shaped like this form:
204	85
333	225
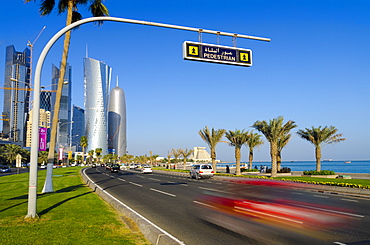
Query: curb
152	232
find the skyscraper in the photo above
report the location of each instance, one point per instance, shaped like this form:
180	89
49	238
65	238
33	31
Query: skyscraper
117	122
97	77
16	93
78	127
64	127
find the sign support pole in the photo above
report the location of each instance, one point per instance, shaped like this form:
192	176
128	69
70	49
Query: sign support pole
32	188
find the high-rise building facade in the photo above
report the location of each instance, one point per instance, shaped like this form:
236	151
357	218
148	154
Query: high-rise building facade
16	94
44	122
117	140
78	127
97	78
64	123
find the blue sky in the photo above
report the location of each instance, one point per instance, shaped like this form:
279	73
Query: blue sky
315	71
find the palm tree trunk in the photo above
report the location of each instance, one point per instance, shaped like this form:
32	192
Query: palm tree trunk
237	158
278	161
213	157
273	152
250	158
48	186
318	158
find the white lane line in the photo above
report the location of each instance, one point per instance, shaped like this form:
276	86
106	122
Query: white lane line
155	179
297	193
340	243
349	200
135	184
210	189
166	193
121	179
320	196
331	211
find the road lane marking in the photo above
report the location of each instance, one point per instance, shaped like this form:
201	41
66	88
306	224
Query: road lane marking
166	193
297	193
349	200
340	243
210	189
135	184
320	196
121	179
331	211
155	179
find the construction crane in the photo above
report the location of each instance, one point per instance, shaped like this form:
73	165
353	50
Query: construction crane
29	44
4	119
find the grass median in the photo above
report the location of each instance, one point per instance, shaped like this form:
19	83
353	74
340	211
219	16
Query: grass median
73	214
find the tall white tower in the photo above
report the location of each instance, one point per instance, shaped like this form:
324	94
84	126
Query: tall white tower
117	140
97	77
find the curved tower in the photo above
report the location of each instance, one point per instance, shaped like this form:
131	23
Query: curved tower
117	140
97	77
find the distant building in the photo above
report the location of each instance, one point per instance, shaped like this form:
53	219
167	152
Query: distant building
200	155
64	124
78	127
44	122
117	140
16	94
97	78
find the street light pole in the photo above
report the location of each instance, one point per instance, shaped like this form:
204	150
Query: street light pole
32	189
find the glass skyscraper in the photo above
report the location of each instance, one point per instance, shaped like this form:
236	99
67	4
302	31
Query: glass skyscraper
78	127
97	78
64	127
16	94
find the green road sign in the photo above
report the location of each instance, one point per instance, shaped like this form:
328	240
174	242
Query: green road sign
217	54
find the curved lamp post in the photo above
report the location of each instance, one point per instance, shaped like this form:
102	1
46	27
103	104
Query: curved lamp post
32	188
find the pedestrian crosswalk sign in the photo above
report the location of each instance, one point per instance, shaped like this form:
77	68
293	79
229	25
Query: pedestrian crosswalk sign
192	50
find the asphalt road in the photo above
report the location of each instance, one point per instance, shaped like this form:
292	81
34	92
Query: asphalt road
168	201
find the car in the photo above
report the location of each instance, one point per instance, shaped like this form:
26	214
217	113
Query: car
93	165
146	169
102	165
5	169
201	171
114	168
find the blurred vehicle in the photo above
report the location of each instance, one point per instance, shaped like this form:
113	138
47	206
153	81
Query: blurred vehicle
201	171
5	169
146	169
132	166
43	166
264	209
93	165
107	166
123	167
114	168
102	165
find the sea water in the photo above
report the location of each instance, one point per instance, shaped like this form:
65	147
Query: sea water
336	166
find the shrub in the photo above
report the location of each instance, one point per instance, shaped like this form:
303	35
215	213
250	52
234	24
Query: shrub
283	170
322	172
248	170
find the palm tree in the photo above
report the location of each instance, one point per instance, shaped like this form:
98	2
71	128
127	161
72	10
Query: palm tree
282	142
212	138
83	143
273	131
169	154
176	153
11	151
237	139
98	152
185	154
91	154
253	141
43	157
96	8
320	137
